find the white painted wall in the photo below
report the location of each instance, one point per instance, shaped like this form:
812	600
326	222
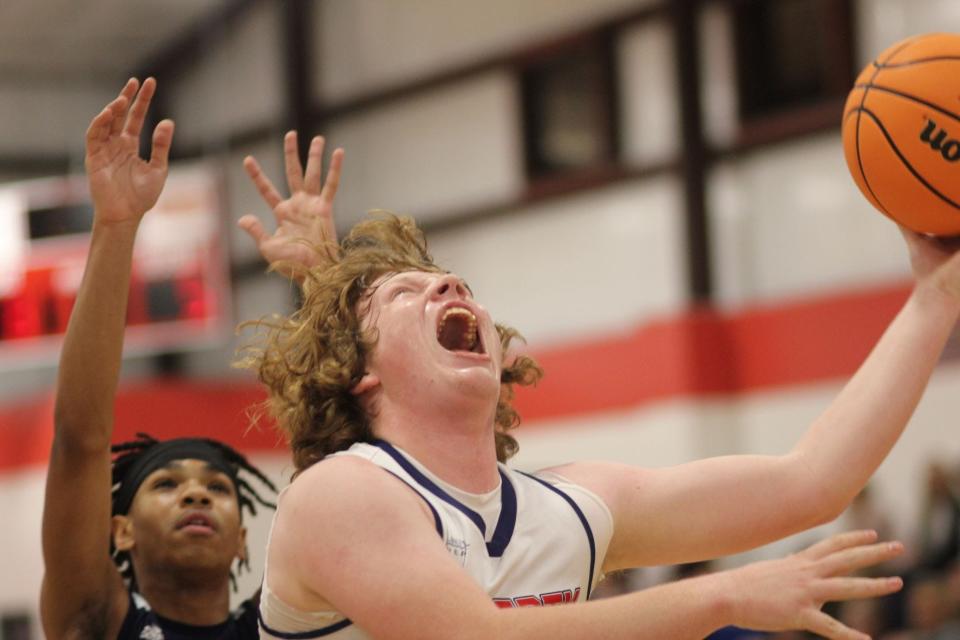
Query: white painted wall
366	45
454	148
235	85
42	118
718	80
881	23
586	265
789	221
650	104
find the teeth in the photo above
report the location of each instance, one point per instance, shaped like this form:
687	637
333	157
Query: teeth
470	333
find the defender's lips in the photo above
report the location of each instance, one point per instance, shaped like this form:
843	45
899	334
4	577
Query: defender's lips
196	522
457	330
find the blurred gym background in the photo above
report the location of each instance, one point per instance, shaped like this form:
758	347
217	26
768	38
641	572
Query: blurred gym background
652	191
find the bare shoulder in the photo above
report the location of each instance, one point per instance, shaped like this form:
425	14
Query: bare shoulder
346	479
345	495
606	479
341	518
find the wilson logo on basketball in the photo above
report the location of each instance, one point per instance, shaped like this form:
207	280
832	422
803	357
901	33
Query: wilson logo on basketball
936	137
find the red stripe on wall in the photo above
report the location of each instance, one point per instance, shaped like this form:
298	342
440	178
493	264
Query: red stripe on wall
702	352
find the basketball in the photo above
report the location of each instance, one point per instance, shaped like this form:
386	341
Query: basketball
901	133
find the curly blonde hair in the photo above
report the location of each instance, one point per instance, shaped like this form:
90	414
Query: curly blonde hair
311	360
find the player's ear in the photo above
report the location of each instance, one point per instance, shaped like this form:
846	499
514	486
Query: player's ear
122	531
368	382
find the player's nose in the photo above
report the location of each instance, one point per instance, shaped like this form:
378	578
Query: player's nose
448	286
195	493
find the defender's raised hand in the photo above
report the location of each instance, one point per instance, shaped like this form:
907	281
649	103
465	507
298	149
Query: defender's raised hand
305	219
124	187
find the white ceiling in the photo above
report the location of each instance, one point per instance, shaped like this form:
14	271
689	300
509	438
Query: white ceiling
89	40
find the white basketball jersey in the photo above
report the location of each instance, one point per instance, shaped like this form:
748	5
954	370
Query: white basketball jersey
536	540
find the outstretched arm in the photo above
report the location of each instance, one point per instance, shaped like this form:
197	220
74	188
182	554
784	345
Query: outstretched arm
81	587
724	505
304	221
374	555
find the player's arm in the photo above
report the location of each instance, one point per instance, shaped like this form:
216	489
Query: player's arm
724	505
305	229
81	587
356	537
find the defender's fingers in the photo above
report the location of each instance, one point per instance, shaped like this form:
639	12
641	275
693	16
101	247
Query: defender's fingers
314	172
125	98
847	560
822	624
291	160
838	542
251	224
162	139
118	109
267	191
99	129
835	589
333	176
138	112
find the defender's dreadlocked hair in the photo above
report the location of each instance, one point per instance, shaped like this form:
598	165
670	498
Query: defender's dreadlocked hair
127	454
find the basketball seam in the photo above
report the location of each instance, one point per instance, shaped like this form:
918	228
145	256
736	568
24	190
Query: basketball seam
906	164
910	63
901	94
878	66
863	173
903	45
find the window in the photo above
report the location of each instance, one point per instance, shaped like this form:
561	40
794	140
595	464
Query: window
569	109
791	54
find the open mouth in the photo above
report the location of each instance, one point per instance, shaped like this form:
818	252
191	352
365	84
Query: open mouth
457	331
195	523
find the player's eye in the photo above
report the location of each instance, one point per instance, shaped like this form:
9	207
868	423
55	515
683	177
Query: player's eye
220	487
164	483
399	291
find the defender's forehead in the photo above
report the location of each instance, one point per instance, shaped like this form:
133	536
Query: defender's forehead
191	466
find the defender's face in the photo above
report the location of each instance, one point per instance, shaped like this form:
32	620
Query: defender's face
184	514
432	338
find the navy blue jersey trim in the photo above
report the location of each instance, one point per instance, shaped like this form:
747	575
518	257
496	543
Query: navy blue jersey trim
583	521
507	522
508	518
300	635
436	516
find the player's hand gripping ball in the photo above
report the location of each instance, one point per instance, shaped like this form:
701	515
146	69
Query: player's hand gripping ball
901	133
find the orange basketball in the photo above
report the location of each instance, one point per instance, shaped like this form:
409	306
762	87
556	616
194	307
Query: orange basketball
901	133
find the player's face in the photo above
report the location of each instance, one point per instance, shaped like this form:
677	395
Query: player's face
432	338
184	514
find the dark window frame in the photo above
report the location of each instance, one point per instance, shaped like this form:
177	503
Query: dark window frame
604	92
820	111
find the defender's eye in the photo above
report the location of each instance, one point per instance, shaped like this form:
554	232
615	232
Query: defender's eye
221	487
